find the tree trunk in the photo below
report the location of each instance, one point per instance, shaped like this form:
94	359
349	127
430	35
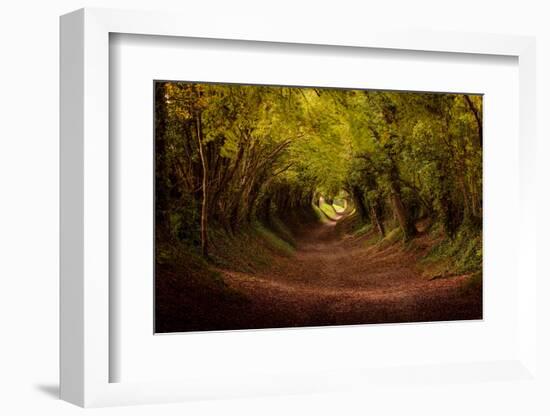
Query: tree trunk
161	191
204	205
266	211
376	219
358	199
477	116
407	226
406	222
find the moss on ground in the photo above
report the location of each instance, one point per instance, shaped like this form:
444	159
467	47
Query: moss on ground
393	236
274	240
458	256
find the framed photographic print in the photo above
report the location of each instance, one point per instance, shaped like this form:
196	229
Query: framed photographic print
272	212
281	206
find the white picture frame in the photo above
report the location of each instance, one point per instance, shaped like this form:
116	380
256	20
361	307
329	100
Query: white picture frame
84	343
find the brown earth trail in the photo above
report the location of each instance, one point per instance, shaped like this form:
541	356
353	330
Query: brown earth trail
335	280
332	279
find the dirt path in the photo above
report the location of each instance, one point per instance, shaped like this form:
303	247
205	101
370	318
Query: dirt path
334	280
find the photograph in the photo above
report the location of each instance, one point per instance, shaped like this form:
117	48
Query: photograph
300	206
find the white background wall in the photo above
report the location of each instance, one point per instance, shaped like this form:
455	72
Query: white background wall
29	185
